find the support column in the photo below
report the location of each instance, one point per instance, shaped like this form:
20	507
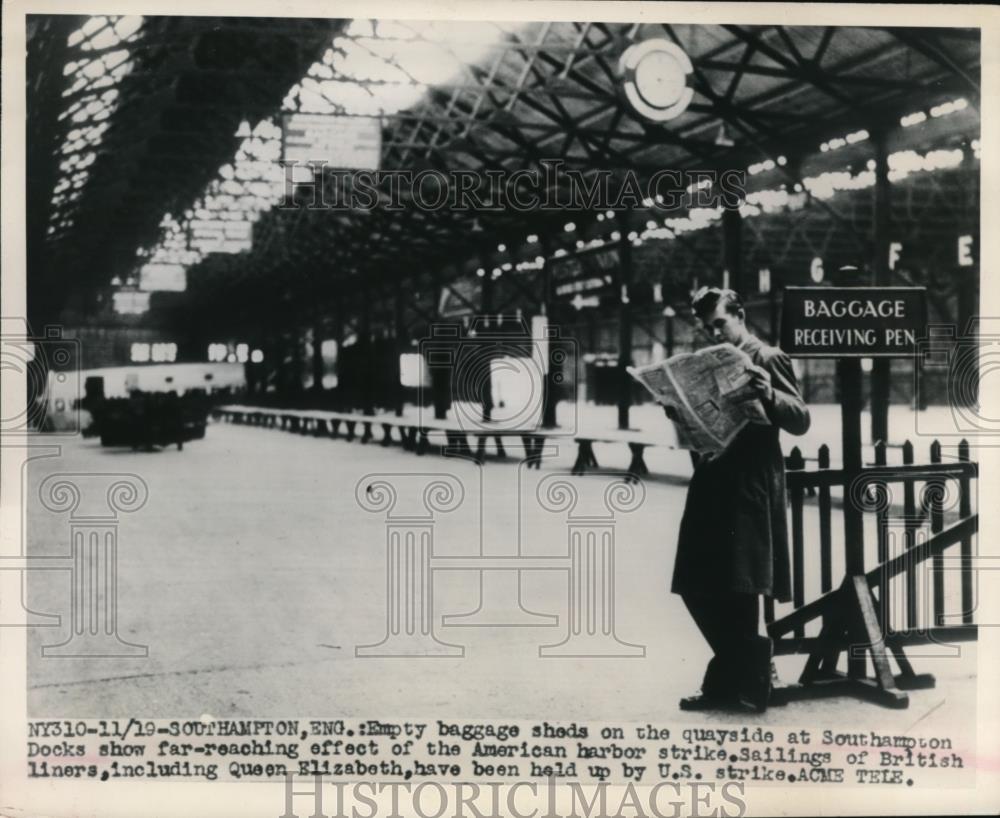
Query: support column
967	308
624	324
280	362
487	318
550	386
849	381
849	374
274	361
668	326
774	310
365	364
317	358
338	367
400	345
881	275
440	374
732	247
295	375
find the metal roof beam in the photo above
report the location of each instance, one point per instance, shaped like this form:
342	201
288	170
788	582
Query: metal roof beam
932	50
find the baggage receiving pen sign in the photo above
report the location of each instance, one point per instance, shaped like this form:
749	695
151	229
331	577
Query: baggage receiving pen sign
868	322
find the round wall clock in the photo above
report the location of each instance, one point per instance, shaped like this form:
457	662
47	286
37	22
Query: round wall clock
654	79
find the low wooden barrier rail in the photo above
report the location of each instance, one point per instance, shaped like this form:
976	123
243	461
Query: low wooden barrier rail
415	436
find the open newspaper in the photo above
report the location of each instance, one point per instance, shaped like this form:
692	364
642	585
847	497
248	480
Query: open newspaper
710	392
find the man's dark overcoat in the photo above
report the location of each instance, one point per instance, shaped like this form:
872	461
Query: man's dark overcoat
733	534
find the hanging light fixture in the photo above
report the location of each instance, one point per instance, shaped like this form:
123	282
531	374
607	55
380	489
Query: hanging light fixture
722	138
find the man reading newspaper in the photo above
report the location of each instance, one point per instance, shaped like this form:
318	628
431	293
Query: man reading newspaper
733	541
709	394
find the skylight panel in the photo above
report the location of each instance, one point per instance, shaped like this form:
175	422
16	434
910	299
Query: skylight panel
92	97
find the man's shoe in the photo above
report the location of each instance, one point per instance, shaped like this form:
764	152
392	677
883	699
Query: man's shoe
701	702
757	689
718	680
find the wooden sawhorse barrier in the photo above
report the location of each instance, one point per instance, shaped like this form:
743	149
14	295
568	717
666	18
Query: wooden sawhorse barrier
586	459
921	520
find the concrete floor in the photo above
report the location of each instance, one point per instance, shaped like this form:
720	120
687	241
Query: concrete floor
252	573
